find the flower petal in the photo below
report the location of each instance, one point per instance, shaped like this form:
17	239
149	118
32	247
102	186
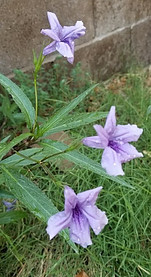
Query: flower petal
54	22
111	162
9	205
49	48
70	60
70	199
128	152
88	197
58	222
97	219
110	121
93	142
80	231
73	32
50	33
127	133
71	45
64	49
102	134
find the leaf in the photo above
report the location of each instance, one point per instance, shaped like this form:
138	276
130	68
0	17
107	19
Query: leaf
6	194
11	216
74	156
38	62
81	160
33	198
53	121
148	110
16	160
5	139
76	121
5	148
20	99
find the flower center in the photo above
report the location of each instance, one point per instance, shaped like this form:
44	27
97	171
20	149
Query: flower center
76	212
114	145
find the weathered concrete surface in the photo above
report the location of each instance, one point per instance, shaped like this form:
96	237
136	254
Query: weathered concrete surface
107	56
117	31
112	14
141	42
21	22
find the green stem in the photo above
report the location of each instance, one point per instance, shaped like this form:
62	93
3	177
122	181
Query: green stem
70	148
44	167
26	157
36	100
55	154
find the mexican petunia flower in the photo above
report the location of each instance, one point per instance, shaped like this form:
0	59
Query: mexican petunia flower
9	205
63	37
115	142
79	214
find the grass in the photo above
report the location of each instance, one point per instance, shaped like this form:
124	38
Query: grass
123	248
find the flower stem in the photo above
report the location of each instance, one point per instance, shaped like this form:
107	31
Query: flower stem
36	101
40	163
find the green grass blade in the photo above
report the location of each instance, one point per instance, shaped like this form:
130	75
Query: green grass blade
53	121
77	121
5	148
33	198
20	99
11	216
81	160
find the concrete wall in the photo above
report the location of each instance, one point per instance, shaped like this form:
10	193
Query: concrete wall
118	31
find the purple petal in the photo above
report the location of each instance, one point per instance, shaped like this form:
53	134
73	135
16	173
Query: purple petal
70	199
70	60
102	134
110	121
9	205
50	48
80	231
50	33
111	162
93	142
128	152
73	32
58	222
88	197
64	49
71	45
127	133
54	22
97	219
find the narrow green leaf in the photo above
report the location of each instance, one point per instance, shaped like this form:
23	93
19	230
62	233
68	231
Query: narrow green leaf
6	194
81	160
20	99
11	216
33	198
76	121
34	58
53	121
5	139
16	160
148	110
5	148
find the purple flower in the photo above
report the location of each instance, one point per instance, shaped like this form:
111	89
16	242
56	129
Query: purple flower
80	213
9	205
114	140
63	37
